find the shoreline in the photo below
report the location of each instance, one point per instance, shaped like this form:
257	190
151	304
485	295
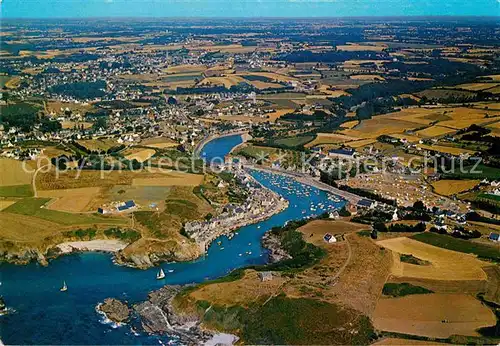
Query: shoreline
114	246
280	207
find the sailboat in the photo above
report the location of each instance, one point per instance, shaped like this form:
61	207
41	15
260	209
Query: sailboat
160	275
64	288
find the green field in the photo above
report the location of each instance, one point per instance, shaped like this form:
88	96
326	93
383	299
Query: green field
485	172
3	80
403	289
33	207
16	191
256	152
495	198
292	142
450	243
20	109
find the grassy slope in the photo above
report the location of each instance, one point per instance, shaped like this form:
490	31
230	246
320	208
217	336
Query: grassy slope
285	320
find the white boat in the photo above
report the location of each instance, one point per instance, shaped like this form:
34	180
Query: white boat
171	271
160	275
64	288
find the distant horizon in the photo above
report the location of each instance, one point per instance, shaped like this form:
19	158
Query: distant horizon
415	17
69	9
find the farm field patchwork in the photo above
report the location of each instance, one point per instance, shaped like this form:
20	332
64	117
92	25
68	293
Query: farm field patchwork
175	179
70	200
477	86
91	178
330	138
368	77
35	207
101	144
405	342
433	315
380	125
446	149
452	187
33	228
273	116
138	154
14	172
447	242
350	124
445	264
159	143
435	131
361	143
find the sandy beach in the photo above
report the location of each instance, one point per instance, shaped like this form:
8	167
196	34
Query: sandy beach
92	245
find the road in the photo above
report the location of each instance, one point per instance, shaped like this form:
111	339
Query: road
33	181
348	260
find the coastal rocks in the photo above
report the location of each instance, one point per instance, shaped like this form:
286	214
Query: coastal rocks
3	307
23	256
273	244
115	310
158	317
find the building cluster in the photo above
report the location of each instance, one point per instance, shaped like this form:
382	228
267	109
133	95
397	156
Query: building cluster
260	204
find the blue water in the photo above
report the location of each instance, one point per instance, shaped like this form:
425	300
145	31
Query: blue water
43	315
220	147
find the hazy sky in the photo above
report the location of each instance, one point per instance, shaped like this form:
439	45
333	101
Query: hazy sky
244	8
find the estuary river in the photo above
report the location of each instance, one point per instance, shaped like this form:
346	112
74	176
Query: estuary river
44	315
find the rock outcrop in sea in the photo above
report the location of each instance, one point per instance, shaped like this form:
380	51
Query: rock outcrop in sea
115	310
158	317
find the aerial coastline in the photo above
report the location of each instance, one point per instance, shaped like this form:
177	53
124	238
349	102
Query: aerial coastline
250	181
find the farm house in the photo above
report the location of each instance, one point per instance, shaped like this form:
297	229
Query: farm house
329	238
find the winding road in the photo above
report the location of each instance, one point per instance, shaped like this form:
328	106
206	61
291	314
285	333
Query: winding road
33	181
